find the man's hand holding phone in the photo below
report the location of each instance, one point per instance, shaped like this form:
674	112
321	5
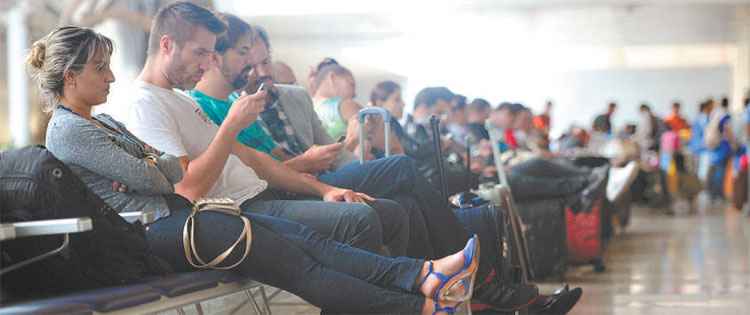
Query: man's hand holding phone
245	110
321	157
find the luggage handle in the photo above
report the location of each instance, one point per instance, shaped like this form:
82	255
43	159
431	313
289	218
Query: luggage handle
435	128
506	198
495	140
361	115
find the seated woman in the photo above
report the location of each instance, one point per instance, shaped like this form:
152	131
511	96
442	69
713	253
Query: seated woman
333	89
71	67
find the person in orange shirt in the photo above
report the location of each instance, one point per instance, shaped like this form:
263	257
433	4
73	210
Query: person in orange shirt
675	120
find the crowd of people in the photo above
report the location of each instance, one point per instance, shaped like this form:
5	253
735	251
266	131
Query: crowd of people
212	115
678	159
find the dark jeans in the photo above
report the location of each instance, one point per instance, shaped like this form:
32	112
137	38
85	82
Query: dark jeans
483	221
396	177
291	256
369	227
542	178
716	179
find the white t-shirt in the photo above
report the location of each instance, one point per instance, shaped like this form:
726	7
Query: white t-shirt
173	123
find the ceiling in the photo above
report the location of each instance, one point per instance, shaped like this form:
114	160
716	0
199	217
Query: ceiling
303	7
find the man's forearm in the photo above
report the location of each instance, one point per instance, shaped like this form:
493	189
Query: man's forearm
298	163
280	175
201	173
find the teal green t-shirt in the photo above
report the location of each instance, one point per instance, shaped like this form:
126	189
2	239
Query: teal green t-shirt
253	136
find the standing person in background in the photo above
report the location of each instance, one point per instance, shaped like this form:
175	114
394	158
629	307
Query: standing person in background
543	121
603	122
697	143
719	128
543	125
674	120
649	129
746	114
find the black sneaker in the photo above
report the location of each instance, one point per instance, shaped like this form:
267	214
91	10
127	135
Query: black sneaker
559	303
506	297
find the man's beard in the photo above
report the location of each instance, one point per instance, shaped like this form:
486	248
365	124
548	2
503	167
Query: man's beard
178	77
272	93
240	80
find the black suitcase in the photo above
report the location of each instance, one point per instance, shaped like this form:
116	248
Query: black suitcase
545	237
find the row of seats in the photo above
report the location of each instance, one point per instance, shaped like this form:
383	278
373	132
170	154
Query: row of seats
154	295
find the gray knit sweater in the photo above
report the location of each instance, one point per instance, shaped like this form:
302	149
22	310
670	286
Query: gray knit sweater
102	156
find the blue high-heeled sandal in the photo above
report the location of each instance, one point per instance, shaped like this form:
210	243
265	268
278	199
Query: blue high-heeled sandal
464	277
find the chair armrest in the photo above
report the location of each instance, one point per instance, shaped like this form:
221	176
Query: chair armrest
7	232
145	217
52	227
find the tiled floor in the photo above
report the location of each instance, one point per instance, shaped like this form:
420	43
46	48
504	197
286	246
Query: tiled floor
697	264
673	265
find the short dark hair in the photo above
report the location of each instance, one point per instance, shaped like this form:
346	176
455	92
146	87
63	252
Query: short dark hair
516	108
263	35
704	105
236	28
645	107
429	96
725	102
178	21
479	104
460	100
504	106
383	90
612	105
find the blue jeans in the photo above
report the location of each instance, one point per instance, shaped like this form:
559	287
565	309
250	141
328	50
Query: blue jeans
381	227
485	222
436	232
295	258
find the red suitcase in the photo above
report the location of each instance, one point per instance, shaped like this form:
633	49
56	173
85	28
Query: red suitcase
584	231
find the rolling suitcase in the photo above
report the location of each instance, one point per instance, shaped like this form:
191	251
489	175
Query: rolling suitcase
361	116
544	223
584	223
512	265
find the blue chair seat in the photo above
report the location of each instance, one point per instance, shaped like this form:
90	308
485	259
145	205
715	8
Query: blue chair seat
184	283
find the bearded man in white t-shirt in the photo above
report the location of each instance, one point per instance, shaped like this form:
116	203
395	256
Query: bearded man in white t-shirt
181	49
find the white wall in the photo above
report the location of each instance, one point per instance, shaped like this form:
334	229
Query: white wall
591	90
579	56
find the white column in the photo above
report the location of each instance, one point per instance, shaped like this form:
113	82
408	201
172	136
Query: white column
741	67
18	87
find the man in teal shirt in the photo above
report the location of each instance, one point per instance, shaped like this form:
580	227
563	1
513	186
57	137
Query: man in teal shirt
253	136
